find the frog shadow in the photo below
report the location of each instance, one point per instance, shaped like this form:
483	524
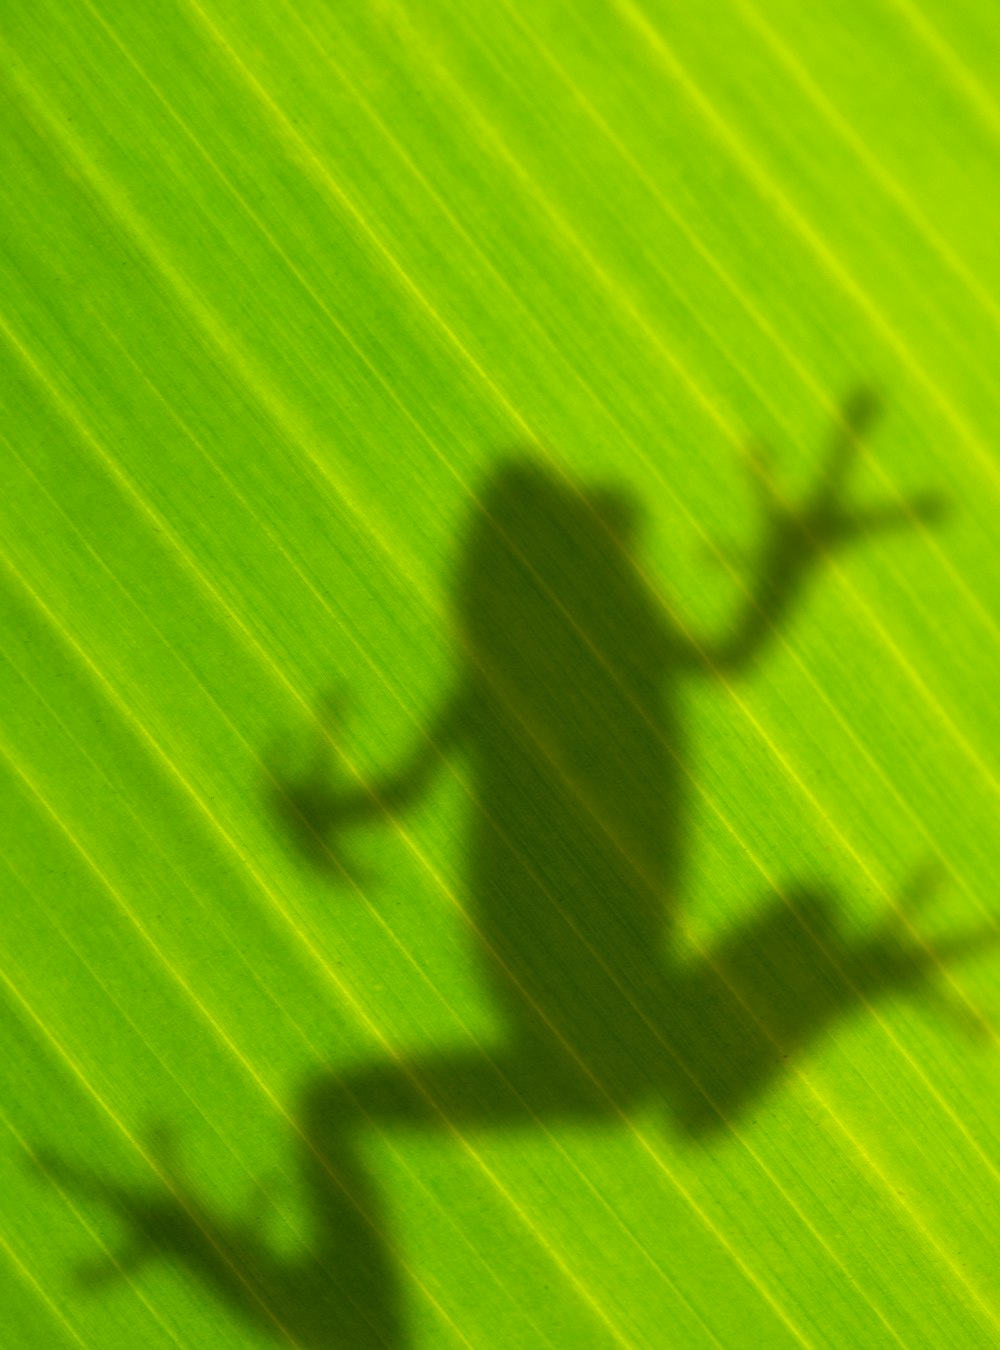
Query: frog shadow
564	723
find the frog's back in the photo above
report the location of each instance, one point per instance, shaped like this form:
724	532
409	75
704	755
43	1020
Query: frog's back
574	765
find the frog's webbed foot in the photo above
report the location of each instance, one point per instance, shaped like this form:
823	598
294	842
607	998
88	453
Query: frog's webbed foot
825	519
157	1221
300	1299
112	1266
304	792
897	956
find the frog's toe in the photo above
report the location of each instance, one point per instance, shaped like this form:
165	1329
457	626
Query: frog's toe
924	886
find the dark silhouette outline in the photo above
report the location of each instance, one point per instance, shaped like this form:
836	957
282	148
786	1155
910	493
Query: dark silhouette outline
576	853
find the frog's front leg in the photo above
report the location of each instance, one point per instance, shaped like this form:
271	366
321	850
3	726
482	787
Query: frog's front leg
315	807
798	538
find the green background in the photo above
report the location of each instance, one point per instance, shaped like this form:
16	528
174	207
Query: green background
280	282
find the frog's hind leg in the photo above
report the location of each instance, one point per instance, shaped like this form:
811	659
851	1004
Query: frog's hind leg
448	1095
351	1241
534	1081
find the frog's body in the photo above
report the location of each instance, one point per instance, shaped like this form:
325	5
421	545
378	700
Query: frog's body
576	812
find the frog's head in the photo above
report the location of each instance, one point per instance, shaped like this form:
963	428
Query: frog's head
546	565
539	513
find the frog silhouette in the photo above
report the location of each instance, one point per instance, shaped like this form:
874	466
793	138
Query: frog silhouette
564	718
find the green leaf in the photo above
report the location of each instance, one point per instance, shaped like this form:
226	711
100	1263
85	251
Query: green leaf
500	756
